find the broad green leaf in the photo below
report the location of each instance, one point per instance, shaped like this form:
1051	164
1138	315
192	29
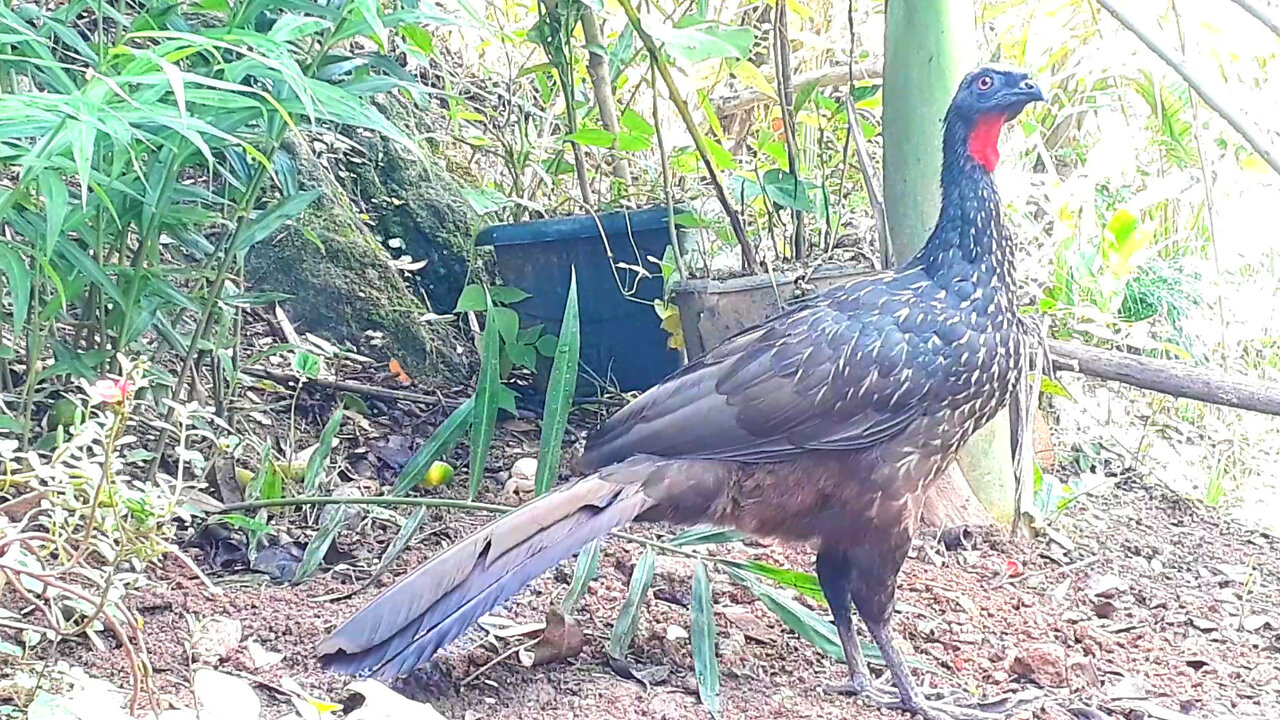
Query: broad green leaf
315	464
636	123
307	363
486	412
624	630
506	294
420	38
560	389
702	640
1050	386
472	299
267	222
583	573
546	345
441	441
802	94
371	11
18	279
787	190
73	253
508	323
594	137
706	41
267	483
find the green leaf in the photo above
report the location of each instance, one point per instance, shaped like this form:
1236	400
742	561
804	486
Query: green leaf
18	278
547	346
583	573
706	535
799	618
319	544
315	464
628	142
560	390
702	639
636	123
472	299
594	137
706	41
802	582
787	190
245	523
624	630
802	95
486	397
506	294
372	14
290	27
401	541
441	441
54	191
267	222
722	159
419	38
307	363
1052	387
508	323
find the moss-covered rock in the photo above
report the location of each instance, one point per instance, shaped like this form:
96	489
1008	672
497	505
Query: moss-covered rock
343	285
416	202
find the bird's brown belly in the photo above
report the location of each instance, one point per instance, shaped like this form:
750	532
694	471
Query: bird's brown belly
827	494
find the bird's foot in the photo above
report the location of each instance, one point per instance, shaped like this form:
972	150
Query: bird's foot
932	704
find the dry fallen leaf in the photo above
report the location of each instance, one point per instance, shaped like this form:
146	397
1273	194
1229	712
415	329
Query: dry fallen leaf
561	640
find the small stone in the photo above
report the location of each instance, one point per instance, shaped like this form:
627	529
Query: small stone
1044	664
675	633
517	486
1081	673
1106	586
1104	609
525	469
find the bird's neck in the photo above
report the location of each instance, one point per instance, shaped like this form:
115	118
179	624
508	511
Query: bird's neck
969	241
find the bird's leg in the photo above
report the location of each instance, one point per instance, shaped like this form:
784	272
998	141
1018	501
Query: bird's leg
834	575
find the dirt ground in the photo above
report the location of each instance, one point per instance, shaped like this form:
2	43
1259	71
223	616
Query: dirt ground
1139	604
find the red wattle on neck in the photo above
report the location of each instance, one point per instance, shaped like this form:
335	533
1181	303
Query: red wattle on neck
984	140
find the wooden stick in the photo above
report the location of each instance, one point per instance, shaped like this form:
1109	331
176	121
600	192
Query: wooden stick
281	378
1165	376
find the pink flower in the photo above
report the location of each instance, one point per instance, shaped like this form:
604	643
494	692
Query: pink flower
109	391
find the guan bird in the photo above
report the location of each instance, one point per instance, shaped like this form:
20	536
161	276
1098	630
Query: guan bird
826	423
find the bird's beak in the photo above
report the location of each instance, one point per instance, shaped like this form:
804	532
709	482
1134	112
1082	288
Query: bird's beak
1017	98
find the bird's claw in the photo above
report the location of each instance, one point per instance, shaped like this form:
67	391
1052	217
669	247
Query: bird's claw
933	703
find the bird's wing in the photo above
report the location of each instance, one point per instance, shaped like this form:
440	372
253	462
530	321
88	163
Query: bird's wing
845	371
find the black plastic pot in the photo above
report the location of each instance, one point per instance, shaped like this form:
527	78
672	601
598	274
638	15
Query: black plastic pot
622	340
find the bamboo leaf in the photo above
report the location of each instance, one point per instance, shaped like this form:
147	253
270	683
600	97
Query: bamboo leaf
702	639
54	191
18	278
706	535
583	573
802	582
267	222
624	630
799	618
560	390
401	541
441	441
486	413
315	463
319	544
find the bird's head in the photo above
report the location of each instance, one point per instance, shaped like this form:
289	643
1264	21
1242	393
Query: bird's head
987	98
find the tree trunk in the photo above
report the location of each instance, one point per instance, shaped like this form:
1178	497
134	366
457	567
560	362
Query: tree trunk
929	45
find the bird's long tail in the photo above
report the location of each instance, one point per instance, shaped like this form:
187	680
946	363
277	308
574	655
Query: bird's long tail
431	606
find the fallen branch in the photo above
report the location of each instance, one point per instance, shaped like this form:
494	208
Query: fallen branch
1165	376
822	77
1260	14
282	378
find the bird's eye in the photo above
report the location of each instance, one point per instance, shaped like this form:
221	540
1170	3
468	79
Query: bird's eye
984	83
